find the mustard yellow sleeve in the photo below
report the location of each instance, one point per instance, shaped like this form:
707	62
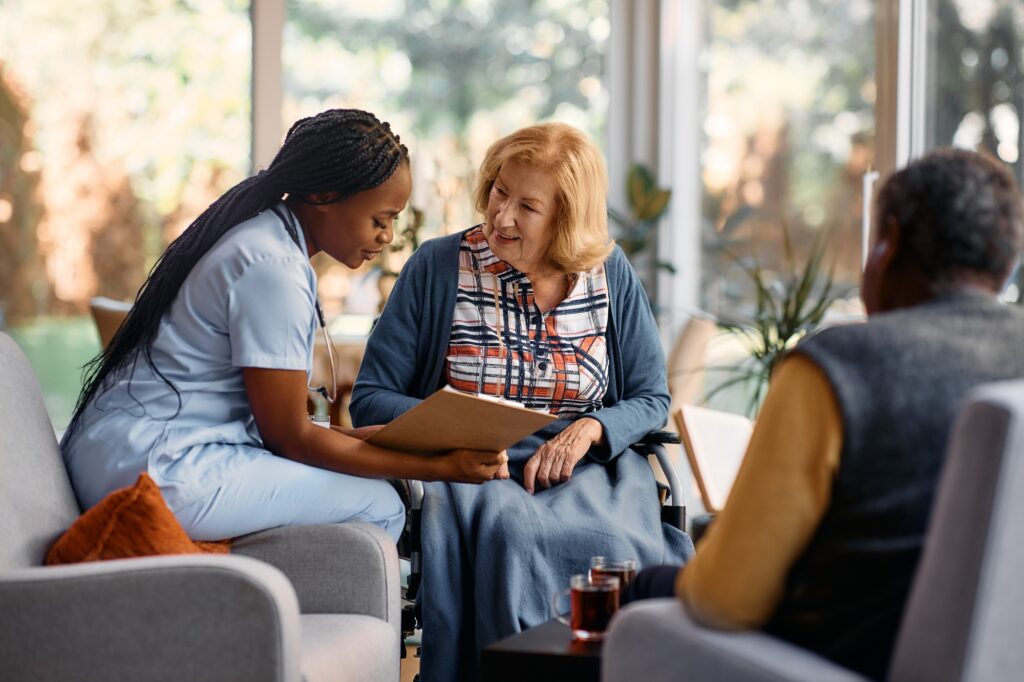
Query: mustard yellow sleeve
782	489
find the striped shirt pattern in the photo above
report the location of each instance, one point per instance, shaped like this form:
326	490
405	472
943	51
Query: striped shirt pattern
555	361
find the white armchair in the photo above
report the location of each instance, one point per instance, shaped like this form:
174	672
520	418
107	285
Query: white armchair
309	602
963	621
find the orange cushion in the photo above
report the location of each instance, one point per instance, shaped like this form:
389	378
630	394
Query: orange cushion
130	522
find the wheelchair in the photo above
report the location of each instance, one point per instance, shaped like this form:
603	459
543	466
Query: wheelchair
670	495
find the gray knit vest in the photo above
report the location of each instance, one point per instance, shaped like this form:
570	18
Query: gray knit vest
899	380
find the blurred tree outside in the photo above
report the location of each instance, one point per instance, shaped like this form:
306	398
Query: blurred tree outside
451	77
130	103
120	120
788	134
790	122
92	234
976	86
20	205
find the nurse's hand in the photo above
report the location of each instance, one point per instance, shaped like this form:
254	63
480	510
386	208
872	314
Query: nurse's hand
554	461
362	433
473	466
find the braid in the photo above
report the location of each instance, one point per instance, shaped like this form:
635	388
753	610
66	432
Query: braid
339	151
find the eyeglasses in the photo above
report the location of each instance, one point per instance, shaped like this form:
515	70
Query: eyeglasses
328	394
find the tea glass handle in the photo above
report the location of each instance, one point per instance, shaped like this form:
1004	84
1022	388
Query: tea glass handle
554	606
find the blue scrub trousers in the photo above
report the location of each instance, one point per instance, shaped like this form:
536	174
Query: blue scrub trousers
272	491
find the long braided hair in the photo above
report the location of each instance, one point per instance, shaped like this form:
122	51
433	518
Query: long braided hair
342	151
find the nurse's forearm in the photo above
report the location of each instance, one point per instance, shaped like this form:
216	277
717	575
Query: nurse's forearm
328	449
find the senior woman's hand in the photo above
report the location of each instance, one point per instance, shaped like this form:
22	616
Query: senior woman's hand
554	461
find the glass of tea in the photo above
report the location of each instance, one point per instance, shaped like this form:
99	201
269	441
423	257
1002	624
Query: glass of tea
592	603
624	570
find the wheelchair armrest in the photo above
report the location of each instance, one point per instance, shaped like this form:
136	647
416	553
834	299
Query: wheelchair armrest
416	494
653	443
658	438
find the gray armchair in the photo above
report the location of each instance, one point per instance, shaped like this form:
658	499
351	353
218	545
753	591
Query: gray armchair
965	617
311	602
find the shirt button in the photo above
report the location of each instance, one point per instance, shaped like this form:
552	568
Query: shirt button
543	366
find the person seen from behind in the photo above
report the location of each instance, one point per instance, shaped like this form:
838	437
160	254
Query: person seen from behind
825	524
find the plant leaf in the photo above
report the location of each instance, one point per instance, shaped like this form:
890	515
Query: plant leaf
646	176
637	186
654	205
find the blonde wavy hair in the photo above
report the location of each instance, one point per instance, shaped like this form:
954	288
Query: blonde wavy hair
581	240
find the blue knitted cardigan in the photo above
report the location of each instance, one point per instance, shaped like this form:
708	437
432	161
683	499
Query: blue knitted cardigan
405	354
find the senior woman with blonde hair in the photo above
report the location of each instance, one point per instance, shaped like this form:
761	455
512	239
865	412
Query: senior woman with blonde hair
535	305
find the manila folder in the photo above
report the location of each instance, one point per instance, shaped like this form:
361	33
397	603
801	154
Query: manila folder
451	419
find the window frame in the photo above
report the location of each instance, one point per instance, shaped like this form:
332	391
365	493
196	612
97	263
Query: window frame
268	17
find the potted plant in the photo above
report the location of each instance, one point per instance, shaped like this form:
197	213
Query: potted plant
788	306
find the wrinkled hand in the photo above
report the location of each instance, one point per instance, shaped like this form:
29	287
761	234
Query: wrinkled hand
554	461
362	433
474	466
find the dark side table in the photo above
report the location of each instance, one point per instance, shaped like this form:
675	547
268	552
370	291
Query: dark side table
545	652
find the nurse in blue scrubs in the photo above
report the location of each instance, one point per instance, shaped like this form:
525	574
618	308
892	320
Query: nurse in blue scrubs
204	386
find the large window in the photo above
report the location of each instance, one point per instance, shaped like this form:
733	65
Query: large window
788	133
451	77
120	120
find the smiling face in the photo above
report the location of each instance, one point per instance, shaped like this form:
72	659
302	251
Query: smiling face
357	228
520	219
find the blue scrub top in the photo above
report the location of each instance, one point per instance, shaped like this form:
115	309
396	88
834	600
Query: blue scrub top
248	302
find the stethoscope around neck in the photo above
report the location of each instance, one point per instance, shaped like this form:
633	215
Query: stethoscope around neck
328	394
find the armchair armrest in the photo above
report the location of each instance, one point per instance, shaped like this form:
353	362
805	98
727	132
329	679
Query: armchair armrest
658	641
162	618
334	568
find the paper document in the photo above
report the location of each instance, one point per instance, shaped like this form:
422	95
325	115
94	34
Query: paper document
715	443
451	419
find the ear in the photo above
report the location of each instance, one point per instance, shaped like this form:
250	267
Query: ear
886	246
320	200
875	280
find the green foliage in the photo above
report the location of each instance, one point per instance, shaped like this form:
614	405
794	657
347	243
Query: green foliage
647	204
468	56
787	308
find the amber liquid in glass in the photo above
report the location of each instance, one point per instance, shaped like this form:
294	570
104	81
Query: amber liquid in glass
625	575
592	608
